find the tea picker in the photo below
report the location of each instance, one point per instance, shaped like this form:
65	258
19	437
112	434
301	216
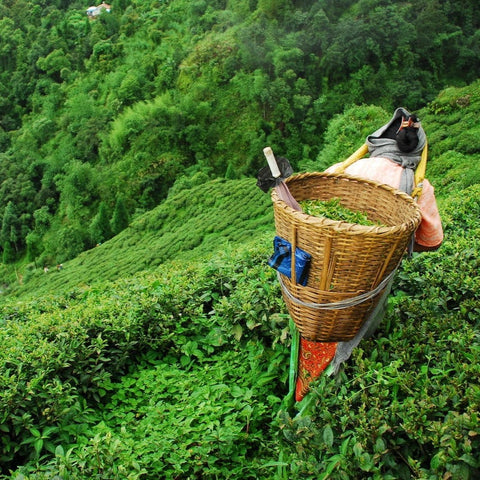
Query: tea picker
339	271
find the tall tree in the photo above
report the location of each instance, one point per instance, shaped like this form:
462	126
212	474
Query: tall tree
100	229
120	219
10	232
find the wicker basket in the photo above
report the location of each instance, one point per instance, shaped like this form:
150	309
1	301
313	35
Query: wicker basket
351	264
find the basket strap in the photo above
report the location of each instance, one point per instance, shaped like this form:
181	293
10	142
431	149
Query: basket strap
360	153
347	303
420	173
293	242
295	348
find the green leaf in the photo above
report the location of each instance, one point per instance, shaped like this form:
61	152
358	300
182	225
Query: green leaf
470	460
380	445
328	436
357	449
333	463
366	462
38	445
344	446
237	331
460	472
237	391
59	451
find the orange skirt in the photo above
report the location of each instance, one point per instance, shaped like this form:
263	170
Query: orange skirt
313	359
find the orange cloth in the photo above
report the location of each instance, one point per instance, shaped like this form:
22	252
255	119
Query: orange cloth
314	358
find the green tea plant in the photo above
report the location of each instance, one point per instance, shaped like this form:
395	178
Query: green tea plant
70	349
191	222
181	426
202	413
334	210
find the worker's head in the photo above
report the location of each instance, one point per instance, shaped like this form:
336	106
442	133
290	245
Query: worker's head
407	134
404	130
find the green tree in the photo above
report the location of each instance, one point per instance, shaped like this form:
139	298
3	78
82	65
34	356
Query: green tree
34	239
78	187
10	232
66	242
8	255
230	172
131	89
119	5
120	218
54	63
8	43
34	246
100	229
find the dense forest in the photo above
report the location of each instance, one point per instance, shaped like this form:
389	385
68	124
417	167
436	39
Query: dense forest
100	118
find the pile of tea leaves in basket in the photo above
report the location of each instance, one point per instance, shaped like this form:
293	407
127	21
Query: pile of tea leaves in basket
334	210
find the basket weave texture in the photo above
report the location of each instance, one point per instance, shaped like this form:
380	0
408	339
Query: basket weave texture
347	259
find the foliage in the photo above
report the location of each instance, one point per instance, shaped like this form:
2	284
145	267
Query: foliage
224	436
454	138
120	217
207	217
175	331
128	103
70	351
100	229
10	232
334	210
348	131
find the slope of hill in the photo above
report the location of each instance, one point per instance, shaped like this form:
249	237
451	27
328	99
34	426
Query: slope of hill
114	365
115	110
193	222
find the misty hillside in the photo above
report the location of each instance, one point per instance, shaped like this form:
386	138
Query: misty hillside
101	116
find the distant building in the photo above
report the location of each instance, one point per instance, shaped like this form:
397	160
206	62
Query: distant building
93	12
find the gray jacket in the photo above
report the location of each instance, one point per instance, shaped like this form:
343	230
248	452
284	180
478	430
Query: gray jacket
381	145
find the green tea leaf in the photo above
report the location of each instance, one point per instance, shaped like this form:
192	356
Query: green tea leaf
328	435
334	210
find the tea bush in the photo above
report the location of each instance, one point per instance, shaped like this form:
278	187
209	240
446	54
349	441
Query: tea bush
188	224
203	414
405	406
64	352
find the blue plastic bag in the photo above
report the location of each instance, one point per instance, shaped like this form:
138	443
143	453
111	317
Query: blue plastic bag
281	260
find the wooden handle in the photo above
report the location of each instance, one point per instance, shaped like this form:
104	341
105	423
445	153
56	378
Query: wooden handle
272	163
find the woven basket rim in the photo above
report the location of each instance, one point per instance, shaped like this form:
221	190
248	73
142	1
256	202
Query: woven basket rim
342	226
